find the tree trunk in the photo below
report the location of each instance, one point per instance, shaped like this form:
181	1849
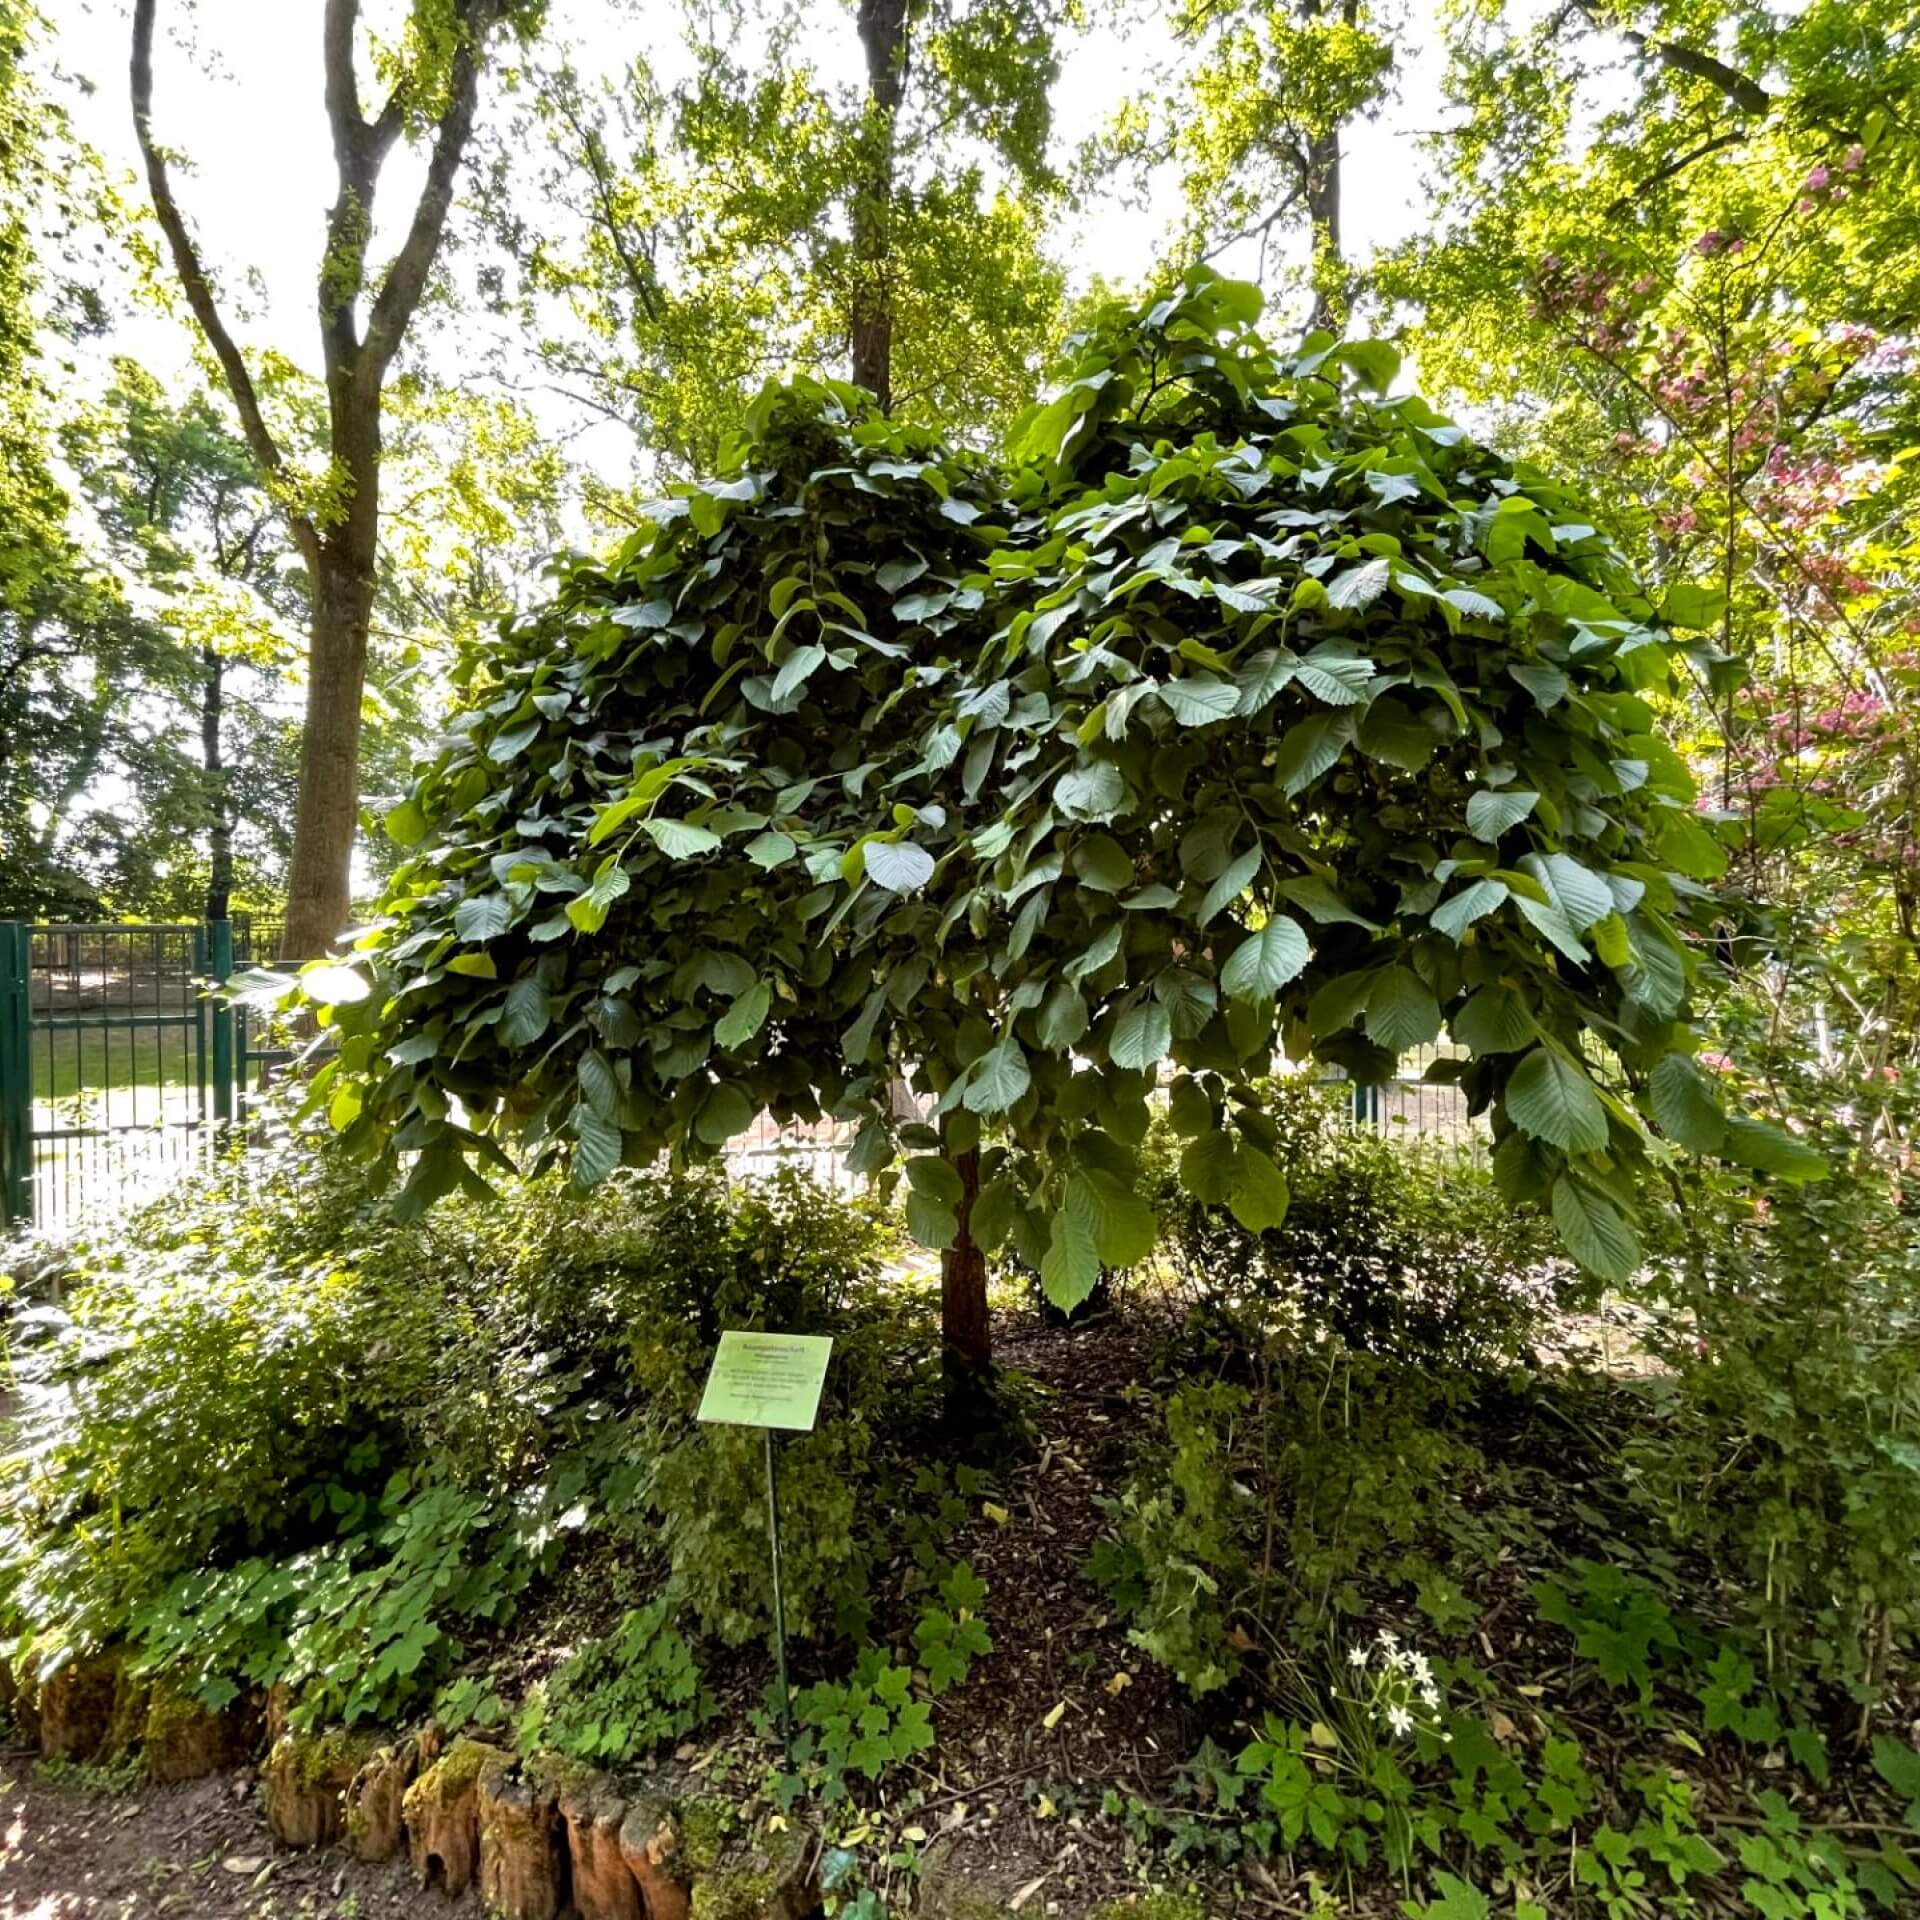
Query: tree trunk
219	807
965	1337
1321	183
326	814
883	35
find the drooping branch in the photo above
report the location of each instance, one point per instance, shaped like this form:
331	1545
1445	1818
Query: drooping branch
193	278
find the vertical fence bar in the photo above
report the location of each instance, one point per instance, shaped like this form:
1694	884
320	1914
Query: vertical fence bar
16	1076
219	971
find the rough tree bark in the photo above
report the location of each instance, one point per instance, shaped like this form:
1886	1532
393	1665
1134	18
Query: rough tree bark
1320	186
341	551
883	39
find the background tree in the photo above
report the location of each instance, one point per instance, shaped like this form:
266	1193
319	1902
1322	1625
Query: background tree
758	213
855	767
1707	295
433	79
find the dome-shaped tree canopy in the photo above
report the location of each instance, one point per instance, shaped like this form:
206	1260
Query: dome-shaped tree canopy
1241	712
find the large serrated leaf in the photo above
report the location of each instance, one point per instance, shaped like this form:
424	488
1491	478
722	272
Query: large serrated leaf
1142	1037
1264	962
1684	1109
999	1080
1552	1099
1401	1011
1594	1231
1071	1268
1309	748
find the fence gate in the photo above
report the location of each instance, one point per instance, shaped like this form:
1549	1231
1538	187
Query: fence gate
117	1067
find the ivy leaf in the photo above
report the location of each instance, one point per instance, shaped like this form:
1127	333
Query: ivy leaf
1264	962
1551	1099
898	865
1594	1231
1142	1037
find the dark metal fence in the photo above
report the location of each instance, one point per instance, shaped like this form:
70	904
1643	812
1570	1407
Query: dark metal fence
119	1064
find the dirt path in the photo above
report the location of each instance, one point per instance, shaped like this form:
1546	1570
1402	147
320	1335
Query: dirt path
69	1852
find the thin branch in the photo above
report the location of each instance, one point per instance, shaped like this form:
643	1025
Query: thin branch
193	277
406	277
1674	168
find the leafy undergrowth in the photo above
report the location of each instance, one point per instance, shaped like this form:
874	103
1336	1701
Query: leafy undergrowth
1221	1604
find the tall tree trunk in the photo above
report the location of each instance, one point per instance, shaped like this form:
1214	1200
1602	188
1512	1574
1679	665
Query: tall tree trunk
219	800
883	39
327	810
965	1337
1320	181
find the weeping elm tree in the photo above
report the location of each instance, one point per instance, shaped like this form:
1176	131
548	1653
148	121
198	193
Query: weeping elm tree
1243	714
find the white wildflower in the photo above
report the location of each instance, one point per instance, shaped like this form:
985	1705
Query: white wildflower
1356	1656
1400	1720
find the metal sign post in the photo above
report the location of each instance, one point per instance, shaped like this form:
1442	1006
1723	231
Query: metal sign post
771	1381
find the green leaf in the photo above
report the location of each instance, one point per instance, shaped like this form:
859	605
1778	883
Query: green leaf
334	986
1453	917
999	1079
1142	1037
1209	1165
526	1013
1548	685
1070	1269
1359	586
795	671
1198	699
1321	904
1309	748
1062	1020
1769	1149
1494	1020
898	865
1552	1099
1691	606
1100	862
1234	879
1264	962
1580	893
1594	1231
932	1223
679	840
1332	674
1095	791
1492	812
770	850
745	1017
1683	1107
724	1115
481	917
597	1145
1391	730
1120	1224
406	825
1401	1011
1258	1195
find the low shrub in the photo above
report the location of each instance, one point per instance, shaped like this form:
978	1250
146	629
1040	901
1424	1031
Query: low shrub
271	1435
1399	1246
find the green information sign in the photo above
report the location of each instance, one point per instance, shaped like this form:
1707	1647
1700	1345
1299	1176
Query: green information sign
767	1380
